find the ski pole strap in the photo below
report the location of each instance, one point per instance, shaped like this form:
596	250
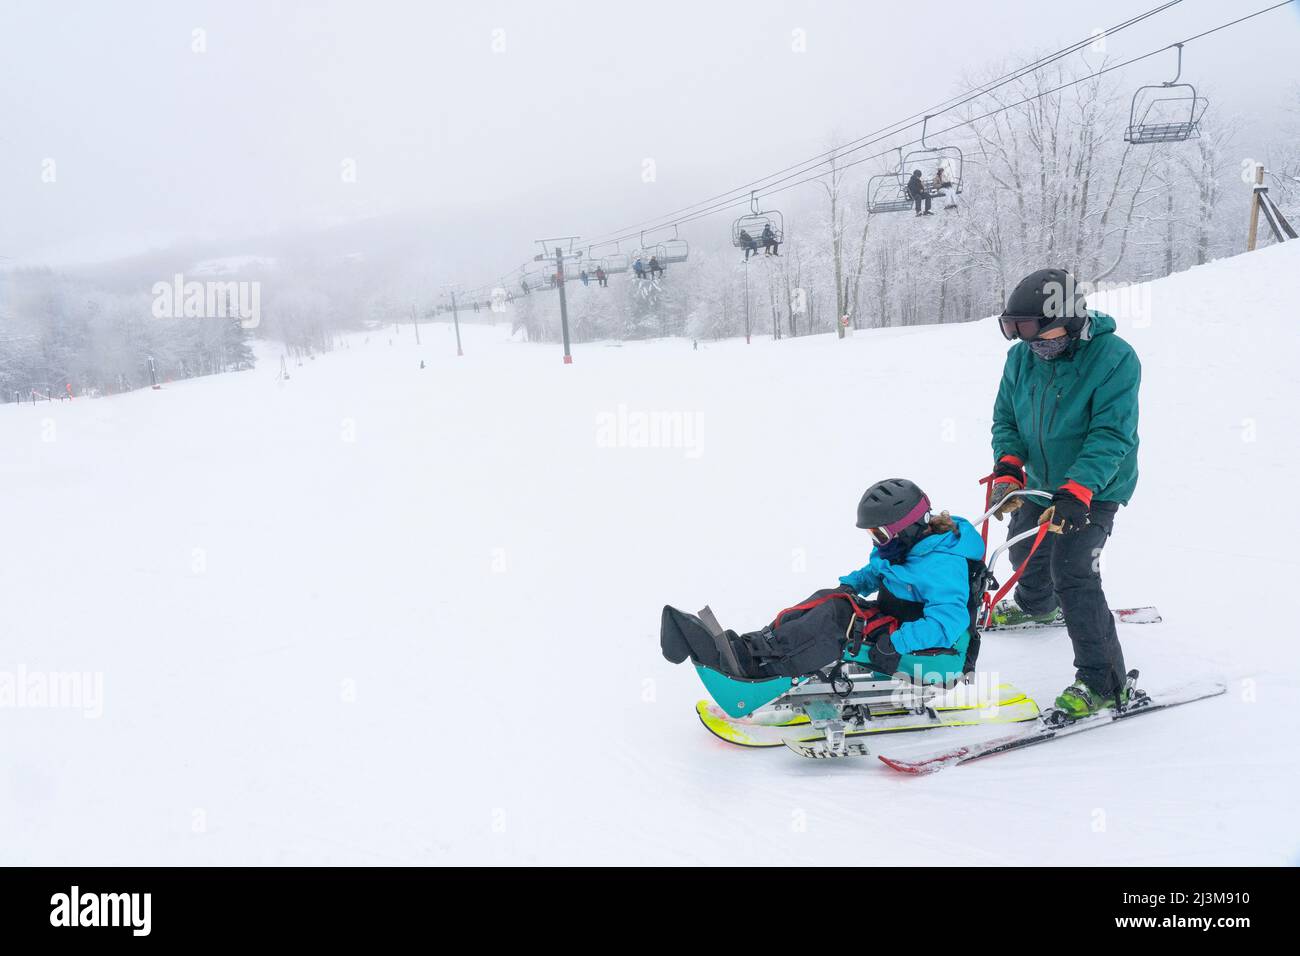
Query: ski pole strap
1003	591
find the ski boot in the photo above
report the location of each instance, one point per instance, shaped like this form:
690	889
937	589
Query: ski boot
1079	700
1007	613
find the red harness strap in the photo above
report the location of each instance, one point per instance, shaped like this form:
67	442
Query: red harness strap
866	613
1003	591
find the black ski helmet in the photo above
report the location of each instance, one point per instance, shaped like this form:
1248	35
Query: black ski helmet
890	503
1041	301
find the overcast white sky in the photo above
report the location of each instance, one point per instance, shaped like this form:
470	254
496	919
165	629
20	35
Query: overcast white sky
153	141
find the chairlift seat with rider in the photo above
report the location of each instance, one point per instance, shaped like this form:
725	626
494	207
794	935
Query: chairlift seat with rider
930	159
533	281
754	222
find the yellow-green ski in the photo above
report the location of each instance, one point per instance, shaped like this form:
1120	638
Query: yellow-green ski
1012	706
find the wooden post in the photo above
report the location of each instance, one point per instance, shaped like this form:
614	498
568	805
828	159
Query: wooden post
1254	207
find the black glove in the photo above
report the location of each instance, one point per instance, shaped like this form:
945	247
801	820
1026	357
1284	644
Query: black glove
1007	468
847	589
883	658
1066	512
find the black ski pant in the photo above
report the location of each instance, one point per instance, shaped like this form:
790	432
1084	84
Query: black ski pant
1065	573
921	199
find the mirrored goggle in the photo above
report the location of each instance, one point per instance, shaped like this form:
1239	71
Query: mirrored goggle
881	536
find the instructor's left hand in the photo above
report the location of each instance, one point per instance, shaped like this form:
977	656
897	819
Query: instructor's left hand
1066	514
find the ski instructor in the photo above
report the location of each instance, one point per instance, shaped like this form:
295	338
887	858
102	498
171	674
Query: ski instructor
1065	421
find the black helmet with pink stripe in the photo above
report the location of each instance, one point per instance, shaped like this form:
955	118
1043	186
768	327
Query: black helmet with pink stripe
891	506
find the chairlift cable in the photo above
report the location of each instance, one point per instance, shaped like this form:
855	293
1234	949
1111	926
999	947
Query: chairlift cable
721	202
946	105
785	179
1002	109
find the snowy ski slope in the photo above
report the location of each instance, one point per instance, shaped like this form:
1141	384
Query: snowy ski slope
379	614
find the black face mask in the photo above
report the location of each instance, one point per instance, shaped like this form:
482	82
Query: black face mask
1051	348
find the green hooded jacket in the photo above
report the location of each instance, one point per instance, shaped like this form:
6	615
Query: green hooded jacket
1075	417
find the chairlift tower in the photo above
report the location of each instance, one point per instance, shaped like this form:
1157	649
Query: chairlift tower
455	319
560	255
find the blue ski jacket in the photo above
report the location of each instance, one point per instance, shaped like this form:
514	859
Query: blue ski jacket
934	573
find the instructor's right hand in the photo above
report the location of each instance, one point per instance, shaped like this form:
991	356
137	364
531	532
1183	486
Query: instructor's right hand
1008	476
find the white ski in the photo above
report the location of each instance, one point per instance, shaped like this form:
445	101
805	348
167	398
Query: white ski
1046	729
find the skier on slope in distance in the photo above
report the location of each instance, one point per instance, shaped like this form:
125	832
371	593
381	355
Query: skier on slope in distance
919	571
1065	421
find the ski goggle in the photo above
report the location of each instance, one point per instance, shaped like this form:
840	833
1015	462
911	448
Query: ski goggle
1015	327
885	534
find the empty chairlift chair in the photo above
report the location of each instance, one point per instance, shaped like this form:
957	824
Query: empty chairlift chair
1171	118
672	250
616	262
887	193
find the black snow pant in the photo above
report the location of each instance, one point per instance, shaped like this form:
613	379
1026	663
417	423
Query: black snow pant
1065	573
805	638
924	198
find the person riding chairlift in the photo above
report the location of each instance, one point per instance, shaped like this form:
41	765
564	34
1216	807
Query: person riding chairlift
748	244
769	241
917	192
655	267
601	278
941	185
639	268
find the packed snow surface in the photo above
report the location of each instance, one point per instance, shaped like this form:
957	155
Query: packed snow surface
382	614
